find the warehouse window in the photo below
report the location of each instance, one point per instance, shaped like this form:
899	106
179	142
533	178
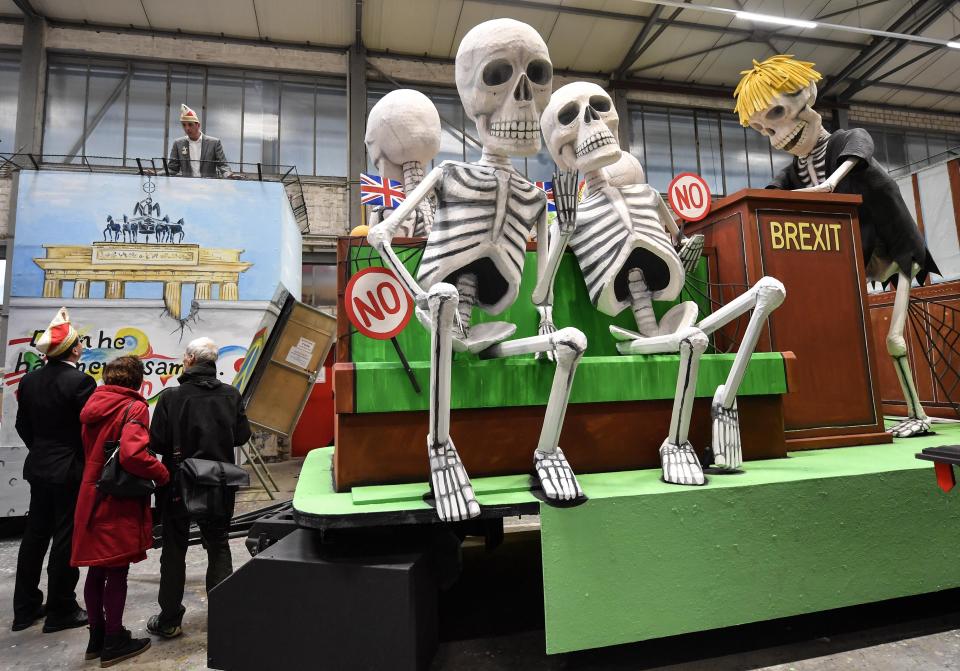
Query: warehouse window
670	140
9	85
114	112
907	151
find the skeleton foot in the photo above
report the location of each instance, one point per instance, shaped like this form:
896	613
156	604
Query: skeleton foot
910	427
450	484
680	464
556	477
727	453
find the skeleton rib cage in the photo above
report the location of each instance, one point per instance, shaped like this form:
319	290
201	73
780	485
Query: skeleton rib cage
483	220
607	245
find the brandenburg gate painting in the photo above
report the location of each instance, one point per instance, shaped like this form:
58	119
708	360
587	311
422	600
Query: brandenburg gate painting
215	273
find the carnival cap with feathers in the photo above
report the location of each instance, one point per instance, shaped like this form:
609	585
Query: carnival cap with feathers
187	114
59	336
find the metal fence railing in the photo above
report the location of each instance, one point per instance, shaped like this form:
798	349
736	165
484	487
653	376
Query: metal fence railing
263	172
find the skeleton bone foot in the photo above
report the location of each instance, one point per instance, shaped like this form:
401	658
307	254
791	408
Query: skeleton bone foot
680	464
910	427
727	452
450	483
556	477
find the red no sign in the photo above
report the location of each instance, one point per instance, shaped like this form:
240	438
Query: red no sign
377	303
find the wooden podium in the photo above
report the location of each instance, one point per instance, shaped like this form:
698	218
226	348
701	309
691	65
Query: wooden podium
811	243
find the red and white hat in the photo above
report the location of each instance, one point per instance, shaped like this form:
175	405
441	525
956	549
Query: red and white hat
59	336
187	114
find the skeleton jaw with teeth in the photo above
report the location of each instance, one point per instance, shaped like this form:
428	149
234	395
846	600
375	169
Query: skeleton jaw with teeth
528	131
580	127
790	122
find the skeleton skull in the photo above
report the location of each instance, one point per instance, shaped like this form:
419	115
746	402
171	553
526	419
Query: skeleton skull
790	121
580	127
504	77
402	127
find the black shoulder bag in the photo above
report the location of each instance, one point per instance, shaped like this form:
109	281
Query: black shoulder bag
208	487
113	479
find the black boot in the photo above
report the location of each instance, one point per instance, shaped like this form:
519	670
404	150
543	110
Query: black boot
95	646
118	647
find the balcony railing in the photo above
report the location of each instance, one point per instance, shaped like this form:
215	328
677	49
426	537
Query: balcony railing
262	172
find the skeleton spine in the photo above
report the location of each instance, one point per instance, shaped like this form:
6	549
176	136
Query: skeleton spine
412	176
641	300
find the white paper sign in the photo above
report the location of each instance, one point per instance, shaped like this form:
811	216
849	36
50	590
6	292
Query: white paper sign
301	353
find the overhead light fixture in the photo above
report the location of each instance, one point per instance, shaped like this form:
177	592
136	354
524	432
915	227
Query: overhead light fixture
799	23
778	20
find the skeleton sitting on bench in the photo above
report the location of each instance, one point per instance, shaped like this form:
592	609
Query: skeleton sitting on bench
623	237
475	252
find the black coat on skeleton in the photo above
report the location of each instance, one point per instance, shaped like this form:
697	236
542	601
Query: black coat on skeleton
887	230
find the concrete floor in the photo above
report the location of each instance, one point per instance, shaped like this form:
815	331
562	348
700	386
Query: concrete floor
917	633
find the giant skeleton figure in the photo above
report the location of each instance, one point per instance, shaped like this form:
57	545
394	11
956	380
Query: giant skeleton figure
475	252
775	98
403	135
624	239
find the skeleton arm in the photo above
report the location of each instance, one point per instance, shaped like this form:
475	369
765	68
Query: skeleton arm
830	183
565	199
381	235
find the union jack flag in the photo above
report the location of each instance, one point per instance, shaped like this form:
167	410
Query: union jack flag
373	191
547	188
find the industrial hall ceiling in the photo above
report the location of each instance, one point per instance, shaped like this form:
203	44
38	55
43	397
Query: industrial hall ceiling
885	52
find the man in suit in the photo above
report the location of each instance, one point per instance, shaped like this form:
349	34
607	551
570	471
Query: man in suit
196	154
48	420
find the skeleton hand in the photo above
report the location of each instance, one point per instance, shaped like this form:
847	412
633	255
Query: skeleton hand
824	187
690	250
546	327
380	235
565	188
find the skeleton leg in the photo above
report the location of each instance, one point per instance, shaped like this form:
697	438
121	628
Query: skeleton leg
763	298
448	478
677	458
568	345
917	422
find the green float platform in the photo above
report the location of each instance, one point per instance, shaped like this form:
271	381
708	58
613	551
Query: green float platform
642	559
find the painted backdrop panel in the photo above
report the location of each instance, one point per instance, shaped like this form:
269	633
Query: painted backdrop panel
144	265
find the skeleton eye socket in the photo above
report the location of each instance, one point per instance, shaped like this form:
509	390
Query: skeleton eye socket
757	127
600	103
497	72
776	113
568	113
540	72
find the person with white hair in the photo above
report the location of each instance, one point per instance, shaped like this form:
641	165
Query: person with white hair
202	418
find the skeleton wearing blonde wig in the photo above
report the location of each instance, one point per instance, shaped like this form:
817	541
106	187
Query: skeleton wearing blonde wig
775	98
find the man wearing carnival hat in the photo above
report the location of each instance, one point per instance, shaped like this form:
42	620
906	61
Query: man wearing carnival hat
196	154
48	420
